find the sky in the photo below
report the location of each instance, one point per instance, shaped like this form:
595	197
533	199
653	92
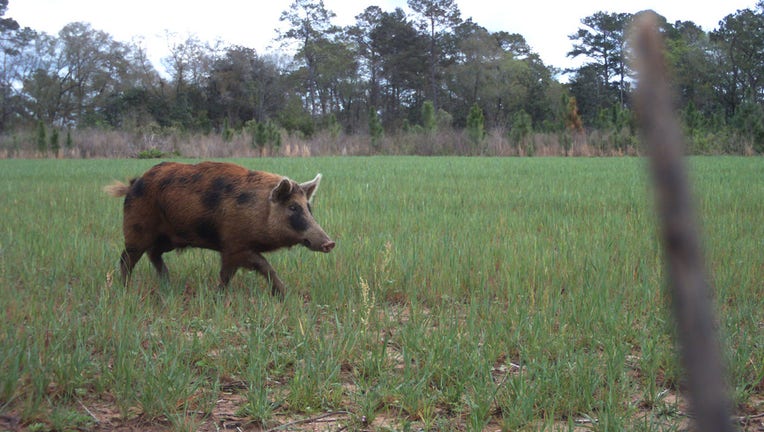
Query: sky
545	25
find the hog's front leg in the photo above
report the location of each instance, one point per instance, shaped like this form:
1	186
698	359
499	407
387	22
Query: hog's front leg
230	263
260	264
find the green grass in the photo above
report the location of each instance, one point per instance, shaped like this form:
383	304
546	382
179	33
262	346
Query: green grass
464	294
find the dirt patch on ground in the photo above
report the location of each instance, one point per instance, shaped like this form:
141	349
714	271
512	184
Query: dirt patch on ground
105	416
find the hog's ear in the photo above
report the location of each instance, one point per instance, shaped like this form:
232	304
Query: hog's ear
282	191
311	187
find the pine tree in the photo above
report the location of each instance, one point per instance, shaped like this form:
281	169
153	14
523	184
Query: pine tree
476	125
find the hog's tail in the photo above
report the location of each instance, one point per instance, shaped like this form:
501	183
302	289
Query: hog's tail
116	189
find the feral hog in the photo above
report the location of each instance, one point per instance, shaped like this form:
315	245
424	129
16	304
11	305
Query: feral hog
219	206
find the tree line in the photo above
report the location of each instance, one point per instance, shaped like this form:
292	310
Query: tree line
390	72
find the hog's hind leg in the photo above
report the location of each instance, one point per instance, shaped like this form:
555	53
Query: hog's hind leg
155	256
127	261
160	246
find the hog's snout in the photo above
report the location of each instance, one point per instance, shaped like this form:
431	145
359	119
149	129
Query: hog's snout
328	246
325	247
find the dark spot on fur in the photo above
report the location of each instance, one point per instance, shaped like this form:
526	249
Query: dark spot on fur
219	188
208	232
128	202
211	199
196	177
310	208
244	198
165	182
138	188
222	184
137	228
297	220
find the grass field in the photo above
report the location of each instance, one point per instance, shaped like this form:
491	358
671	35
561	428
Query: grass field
464	294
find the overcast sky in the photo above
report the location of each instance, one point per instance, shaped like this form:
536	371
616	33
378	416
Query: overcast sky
253	23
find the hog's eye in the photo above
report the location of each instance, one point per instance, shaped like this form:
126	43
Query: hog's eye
293	207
